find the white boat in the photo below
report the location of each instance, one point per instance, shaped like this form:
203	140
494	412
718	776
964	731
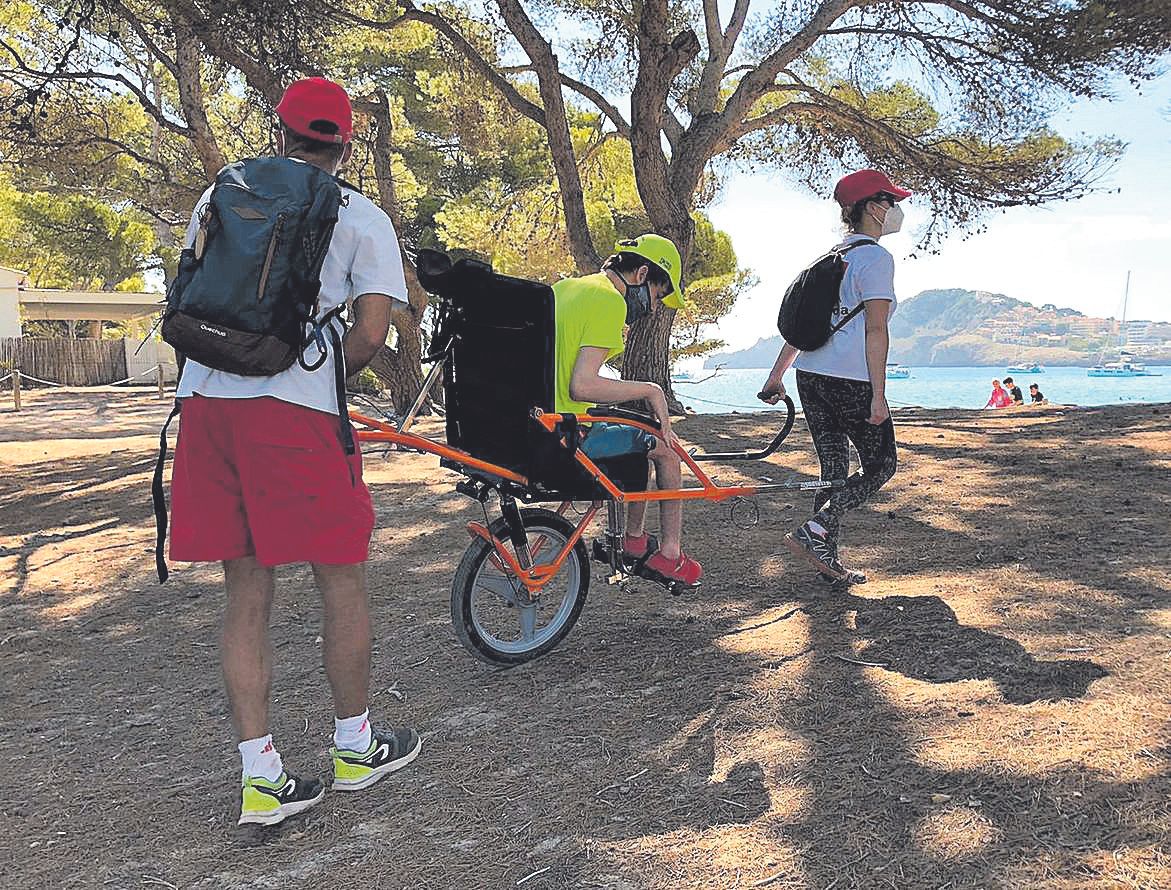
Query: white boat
1027	369
1126	366
895	371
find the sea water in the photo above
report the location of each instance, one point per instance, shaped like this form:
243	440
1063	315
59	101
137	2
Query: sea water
719	392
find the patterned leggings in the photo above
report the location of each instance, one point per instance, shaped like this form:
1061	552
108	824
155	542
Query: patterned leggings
836	411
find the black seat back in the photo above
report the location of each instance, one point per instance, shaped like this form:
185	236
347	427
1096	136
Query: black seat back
501	366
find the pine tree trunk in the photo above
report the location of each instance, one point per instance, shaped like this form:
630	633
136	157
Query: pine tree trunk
661	58
648	345
646	356
400	369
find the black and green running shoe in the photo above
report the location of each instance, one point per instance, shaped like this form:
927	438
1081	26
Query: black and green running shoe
267	803
355	770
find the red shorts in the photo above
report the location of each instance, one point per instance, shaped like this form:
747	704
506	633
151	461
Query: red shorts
266	478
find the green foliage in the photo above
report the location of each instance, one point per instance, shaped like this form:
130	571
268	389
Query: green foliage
367	382
521	231
73	241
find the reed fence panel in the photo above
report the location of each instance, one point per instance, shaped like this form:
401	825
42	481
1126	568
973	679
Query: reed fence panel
61	360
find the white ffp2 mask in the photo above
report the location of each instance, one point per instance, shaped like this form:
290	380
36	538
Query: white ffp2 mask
893	221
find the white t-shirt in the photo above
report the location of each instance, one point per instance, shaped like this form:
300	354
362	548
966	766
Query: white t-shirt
363	258
870	275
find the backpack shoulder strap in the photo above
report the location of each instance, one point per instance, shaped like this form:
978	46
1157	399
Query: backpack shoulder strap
841	324
339	377
349	185
160	499
846	248
156	487
849	315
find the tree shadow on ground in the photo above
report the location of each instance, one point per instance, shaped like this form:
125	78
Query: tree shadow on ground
919	637
881	815
97	415
64	491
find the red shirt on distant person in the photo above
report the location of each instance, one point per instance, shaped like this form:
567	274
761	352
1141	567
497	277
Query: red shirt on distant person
1000	396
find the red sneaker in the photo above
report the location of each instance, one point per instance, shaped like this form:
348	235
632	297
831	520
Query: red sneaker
684	570
637	548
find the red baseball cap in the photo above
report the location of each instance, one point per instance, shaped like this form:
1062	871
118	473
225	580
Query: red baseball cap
866	184
317	109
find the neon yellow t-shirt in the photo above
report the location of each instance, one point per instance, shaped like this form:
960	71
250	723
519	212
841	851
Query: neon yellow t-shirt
589	312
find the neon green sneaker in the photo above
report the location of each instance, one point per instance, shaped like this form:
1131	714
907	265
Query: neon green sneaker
267	803
355	770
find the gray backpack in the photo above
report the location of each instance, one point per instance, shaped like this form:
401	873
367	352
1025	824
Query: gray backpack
247	288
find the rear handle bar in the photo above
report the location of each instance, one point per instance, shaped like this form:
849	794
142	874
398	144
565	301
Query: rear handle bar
790	416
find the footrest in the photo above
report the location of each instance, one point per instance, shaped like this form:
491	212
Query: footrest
600	551
673	586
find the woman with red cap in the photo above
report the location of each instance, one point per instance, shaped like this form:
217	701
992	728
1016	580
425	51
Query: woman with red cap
842	384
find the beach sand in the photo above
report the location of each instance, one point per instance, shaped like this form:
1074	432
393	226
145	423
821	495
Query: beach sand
991	710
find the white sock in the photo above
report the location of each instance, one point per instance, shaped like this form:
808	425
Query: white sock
352	733
817	528
260	759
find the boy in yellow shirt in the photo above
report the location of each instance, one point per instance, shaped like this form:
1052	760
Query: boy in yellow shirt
592	312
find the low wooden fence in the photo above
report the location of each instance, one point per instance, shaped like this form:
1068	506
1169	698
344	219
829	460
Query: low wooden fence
64	361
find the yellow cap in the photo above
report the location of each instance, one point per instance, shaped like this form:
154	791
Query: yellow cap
664	254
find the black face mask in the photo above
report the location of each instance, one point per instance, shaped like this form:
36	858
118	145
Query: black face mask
638	300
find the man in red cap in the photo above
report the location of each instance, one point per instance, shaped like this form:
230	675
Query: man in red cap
842	384
261	479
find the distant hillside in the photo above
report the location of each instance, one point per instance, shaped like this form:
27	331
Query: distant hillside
762	355
963	327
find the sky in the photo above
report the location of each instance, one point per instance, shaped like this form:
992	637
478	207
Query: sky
1073	254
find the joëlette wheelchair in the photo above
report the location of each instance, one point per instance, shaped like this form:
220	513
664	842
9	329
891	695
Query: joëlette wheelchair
522	582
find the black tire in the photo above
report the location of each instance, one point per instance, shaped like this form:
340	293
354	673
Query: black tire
475	569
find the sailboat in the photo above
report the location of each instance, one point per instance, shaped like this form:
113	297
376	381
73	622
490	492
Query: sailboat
1126	366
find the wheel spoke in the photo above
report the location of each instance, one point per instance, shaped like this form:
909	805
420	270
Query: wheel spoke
498	585
536	544
528	621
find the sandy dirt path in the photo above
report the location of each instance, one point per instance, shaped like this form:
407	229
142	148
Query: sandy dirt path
991	710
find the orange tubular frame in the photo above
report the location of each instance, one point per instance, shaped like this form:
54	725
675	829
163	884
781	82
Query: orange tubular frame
708	491
378	431
536	577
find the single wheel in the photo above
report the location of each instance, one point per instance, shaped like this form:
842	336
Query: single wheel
492	612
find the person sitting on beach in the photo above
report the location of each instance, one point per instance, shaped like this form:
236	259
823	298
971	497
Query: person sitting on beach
1036	395
591	314
1000	397
1018	397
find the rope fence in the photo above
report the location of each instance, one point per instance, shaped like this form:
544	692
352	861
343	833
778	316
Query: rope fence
66	361
24	376
18	377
